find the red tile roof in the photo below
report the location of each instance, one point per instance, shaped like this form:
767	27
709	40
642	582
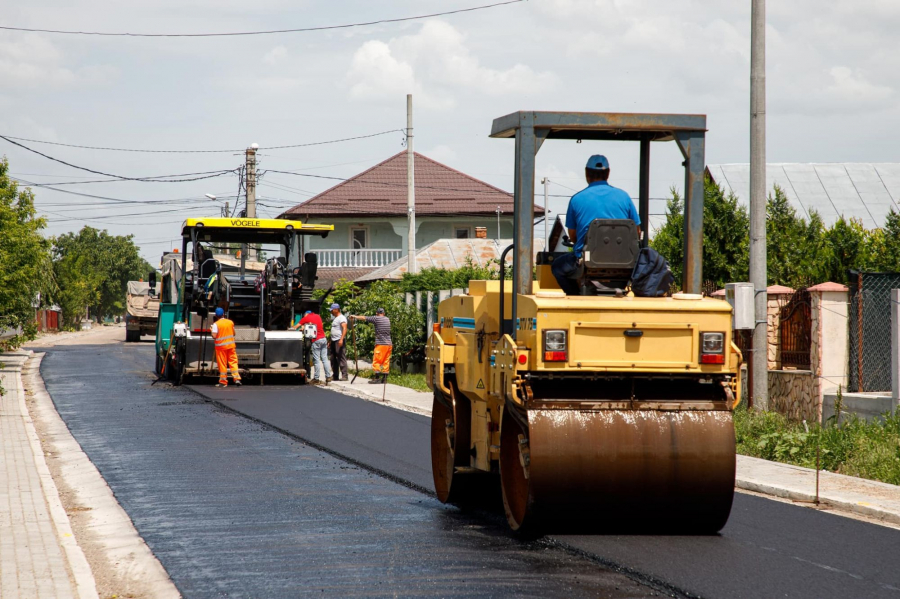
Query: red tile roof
381	190
778	290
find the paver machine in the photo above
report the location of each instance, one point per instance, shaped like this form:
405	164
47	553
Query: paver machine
601	411
261	297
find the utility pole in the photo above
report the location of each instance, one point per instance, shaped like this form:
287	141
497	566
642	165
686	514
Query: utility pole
760	363
499	212
546	183
251	189
410	186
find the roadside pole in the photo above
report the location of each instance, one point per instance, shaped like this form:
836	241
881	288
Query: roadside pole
410	186
758	275
546	183
251	189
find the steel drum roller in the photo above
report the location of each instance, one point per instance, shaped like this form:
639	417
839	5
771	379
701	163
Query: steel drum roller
609	470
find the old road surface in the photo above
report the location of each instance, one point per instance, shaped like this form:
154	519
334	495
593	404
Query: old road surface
286	491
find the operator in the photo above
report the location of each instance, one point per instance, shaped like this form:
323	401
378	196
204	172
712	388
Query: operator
338	347
381	359
222	331
598	200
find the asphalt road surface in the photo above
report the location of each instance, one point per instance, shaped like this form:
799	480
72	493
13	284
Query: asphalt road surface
234	508
767	549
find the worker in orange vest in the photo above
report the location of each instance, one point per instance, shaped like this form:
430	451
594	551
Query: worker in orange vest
226	351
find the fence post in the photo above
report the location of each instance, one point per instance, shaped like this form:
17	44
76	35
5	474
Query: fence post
859	332
895	349
429	313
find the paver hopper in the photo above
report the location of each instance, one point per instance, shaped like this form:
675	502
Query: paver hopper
601	411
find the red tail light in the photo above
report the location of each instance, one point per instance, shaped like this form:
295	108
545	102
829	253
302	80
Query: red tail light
712	359
554	356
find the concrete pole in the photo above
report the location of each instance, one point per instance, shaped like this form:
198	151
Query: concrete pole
499	212
758	275
546	183
251	188
410	185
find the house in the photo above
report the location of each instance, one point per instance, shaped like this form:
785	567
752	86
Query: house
369	214
867	191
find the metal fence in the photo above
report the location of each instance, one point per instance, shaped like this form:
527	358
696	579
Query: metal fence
870	330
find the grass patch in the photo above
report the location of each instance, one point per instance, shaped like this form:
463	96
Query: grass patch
853	446
412	381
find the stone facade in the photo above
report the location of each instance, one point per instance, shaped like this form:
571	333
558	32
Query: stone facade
794	393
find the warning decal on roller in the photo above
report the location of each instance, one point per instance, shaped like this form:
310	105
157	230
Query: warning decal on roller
480	384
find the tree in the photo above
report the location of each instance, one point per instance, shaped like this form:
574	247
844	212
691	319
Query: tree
726	229
93	266
848	245
26	275
885	249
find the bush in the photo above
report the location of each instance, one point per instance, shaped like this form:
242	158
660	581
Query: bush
436	279
853	447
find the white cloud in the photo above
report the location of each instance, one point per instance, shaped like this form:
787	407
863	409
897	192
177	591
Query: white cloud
34	61
435	64
850	86
275	55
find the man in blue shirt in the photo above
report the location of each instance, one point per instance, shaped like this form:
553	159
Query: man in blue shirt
598	200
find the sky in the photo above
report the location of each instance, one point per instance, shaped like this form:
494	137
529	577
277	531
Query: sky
832	81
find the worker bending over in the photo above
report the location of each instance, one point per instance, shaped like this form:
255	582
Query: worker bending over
381	360
222	331
598	200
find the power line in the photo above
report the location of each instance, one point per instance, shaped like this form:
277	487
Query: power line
94	196
157	179
109	149
297	30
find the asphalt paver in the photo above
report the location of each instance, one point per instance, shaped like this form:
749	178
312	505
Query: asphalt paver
234	508
767	549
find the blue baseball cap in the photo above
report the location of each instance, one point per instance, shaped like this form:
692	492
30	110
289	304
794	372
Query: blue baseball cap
307	312
597	162
335	306
220	312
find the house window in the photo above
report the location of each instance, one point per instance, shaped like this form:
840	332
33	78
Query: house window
461	232
359	238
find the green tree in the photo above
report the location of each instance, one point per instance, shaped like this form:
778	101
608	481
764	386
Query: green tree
26	274
848	245
725	236
436	279
99	265
886	247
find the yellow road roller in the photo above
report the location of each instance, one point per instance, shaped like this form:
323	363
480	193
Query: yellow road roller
602	411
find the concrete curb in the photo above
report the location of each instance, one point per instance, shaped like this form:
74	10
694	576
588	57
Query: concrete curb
801	488
346	389
123	548
85	585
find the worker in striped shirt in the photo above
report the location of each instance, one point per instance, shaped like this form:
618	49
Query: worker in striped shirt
381	361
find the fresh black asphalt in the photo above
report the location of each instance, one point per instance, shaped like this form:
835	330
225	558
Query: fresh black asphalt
768	548
233	508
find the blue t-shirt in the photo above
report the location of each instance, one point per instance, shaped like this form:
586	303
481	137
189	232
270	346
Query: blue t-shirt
597	200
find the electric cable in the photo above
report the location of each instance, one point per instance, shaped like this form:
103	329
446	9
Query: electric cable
269	32
109	149
156	179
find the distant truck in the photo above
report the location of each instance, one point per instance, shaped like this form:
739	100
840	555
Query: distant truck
142	310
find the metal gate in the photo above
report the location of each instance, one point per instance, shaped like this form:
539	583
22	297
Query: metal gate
870	330
795	331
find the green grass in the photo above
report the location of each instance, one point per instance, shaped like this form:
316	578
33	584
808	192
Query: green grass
853	447
412	381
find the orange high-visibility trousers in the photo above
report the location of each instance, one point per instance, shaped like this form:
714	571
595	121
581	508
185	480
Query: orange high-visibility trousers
225	358
381	360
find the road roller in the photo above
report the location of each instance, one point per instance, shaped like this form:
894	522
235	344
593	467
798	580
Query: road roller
602	412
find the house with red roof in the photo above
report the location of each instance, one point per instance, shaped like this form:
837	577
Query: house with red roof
369	213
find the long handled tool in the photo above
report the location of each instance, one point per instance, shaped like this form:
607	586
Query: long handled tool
355	353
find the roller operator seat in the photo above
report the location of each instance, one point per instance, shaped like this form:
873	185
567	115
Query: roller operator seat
611	249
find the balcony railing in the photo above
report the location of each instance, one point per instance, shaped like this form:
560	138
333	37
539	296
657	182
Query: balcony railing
356	258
